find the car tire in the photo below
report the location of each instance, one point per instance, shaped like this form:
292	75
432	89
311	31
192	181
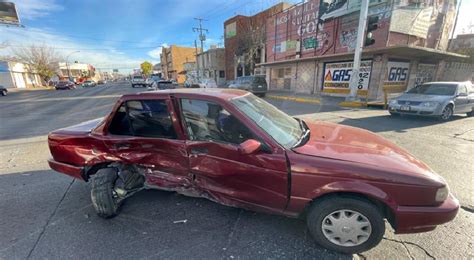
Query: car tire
470	113
394	114
322	211
102	193
447	113
4	92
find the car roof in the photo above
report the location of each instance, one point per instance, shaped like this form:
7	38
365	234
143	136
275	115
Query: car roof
447	82
224	94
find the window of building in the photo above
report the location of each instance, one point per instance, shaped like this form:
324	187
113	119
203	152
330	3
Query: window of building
144	118
207	121
281	73
221	74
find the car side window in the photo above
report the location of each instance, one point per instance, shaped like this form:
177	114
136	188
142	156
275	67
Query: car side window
208	121
462	89
144	118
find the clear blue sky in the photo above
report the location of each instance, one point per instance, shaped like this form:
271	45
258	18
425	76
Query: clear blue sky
119	33
124	33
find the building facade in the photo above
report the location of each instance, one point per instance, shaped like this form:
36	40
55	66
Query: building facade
310	46
18	75
172	60
211	64
242	33
78	72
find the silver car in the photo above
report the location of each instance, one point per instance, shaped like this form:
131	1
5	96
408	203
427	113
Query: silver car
439	99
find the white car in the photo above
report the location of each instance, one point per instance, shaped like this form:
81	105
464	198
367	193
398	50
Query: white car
207	83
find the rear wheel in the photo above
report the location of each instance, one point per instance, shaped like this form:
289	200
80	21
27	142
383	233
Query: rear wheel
104	199
447	113
344	224
4	92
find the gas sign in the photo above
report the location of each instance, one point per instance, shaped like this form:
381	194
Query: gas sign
397	73
337	75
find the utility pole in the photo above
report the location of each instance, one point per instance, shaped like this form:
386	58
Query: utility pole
197	60
354	83
202	37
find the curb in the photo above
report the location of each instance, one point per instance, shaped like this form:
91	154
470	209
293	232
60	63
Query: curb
295	99
352	104
14	90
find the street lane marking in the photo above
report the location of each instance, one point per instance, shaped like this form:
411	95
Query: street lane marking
59	99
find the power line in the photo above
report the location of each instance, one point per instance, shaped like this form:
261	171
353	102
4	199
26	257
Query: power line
202	37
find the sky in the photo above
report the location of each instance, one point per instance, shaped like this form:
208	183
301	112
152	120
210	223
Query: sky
119	33
122	34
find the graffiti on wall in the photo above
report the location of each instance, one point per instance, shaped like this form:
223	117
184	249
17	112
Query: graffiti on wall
348	39
425	73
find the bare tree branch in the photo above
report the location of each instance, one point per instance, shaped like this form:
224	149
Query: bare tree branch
39	59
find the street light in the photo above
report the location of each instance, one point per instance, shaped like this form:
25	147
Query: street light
67	64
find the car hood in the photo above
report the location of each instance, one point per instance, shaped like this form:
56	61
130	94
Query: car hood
357	145
422	98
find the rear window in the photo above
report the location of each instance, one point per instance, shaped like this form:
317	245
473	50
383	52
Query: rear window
144	118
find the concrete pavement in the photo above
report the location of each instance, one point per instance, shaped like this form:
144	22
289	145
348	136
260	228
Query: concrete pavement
48	215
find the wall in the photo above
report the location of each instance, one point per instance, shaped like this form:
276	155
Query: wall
172	60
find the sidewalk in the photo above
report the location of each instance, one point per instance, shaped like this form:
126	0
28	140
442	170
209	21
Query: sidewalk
13	90
316	99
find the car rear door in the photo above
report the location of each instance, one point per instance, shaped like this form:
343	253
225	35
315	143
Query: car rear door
143	133
255	181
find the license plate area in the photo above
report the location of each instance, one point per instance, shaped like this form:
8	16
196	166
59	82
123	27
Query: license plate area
405	108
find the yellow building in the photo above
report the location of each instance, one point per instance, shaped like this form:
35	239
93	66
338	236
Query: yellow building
172	60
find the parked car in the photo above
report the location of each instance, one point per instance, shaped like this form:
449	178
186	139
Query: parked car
89	83
207	83
101	82
439	99
236	149
3	90
255	84
65	84
163	84
139	80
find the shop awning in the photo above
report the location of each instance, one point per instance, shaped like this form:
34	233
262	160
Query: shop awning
408	52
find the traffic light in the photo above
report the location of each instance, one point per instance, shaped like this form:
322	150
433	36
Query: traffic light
372	25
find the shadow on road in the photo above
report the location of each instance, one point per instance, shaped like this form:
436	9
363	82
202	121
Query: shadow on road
45	211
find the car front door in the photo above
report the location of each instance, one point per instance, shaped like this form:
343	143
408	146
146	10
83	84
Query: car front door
142	133
461	102
255	181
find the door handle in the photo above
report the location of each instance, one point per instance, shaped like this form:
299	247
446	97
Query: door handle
121	146
199	150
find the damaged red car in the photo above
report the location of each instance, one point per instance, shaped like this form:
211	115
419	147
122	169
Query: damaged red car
238	150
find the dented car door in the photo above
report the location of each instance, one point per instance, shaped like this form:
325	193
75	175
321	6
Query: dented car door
142	133
256	180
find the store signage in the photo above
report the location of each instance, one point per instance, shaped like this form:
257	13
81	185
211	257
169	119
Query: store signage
337	75
230	30
397	73
335	8
8	13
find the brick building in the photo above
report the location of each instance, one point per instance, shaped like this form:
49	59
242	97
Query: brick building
310	46
237	30
172	60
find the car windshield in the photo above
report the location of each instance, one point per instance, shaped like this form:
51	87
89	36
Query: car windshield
434	89
285	129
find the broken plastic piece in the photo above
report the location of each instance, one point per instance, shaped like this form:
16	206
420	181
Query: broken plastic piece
180	221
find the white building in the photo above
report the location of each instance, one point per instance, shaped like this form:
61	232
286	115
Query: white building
17	75
78	71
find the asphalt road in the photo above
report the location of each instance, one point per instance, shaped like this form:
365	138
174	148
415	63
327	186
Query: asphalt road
48	215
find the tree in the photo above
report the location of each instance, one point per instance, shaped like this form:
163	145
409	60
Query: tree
146	67
40	59
250	43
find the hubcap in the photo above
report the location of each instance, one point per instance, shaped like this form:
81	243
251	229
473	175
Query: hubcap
447	113
346	228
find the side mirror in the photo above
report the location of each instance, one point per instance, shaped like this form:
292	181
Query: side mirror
462	95
249	147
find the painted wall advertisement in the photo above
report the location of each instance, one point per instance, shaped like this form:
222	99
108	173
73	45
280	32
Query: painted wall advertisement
337	75
425	73
397	73
230	30
412	21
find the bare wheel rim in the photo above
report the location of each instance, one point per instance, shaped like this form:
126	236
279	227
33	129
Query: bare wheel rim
447	112
346	228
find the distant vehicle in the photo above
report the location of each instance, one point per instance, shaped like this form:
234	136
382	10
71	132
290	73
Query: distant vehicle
89	83
3	90
101	82
255	84
207	83
438	99
139	80
65	84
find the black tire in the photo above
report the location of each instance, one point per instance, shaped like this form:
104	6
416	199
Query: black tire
470	113
448	109
394	114
322	208
102	197
4	92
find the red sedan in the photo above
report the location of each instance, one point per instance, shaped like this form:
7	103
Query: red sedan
236	149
